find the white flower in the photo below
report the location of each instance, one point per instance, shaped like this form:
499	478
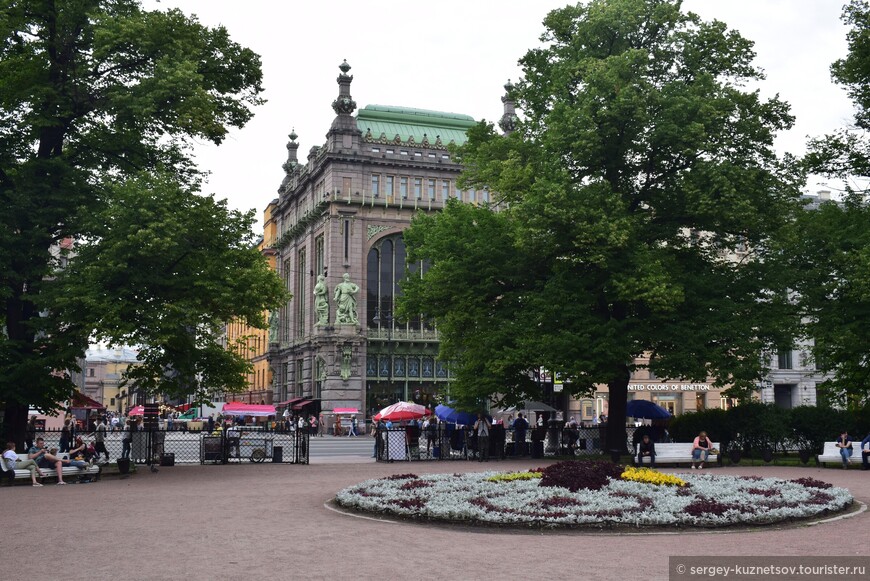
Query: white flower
470	497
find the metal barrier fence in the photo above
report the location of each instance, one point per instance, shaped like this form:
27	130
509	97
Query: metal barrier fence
234	445
450	442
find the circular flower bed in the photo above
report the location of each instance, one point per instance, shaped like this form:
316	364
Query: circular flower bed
596	494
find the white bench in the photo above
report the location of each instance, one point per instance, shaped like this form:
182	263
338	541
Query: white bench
51	472
830	453
675	453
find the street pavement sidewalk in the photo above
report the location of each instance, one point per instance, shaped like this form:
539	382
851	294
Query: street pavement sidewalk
255	521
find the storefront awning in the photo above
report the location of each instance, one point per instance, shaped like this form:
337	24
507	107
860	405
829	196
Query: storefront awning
289	402
301	404
236	408
350	411
83	402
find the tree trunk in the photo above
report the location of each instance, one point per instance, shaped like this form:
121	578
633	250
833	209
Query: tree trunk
618	398
15	423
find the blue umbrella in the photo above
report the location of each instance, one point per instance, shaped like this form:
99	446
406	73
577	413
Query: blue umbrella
452	416
641	408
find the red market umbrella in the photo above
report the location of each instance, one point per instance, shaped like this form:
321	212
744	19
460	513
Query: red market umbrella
402	410
137	411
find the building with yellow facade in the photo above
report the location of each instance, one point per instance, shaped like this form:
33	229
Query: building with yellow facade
253	343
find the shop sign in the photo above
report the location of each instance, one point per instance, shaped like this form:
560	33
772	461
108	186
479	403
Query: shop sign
668	387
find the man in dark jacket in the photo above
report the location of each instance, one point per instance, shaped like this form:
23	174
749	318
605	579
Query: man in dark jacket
647	448
520	427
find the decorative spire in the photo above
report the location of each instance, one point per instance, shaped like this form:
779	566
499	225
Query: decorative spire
292	146
344	104
509	119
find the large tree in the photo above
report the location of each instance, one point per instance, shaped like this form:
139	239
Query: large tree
93	94
831	250
637	199
830	246
165	268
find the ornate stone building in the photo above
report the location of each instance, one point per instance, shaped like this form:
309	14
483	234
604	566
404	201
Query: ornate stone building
340	218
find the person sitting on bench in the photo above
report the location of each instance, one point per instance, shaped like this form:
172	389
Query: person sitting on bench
647	448
10	458
46	458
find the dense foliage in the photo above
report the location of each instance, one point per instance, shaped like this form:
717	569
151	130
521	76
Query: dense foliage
830	247
99	103
638	198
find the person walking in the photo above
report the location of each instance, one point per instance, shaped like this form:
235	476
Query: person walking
30	432
100	439
520	427
65	437
482	426
320	427
352	431
127	439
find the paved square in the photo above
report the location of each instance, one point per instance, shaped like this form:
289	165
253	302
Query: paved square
269	521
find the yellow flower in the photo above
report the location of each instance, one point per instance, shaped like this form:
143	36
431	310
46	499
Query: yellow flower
650	476
511	476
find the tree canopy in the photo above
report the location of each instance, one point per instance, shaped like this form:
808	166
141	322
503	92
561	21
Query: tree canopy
831	250
830	246
636	202
94	96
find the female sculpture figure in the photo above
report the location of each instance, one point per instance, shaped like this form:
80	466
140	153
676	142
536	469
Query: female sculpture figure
345	297
321	301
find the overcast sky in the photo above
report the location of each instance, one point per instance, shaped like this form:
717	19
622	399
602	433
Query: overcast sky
455	56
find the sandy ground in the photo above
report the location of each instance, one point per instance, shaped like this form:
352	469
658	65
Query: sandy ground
257	521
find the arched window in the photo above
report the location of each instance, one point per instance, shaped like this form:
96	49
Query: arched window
385	268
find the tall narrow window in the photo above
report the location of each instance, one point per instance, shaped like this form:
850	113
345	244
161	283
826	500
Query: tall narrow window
445	190
319	374
418	188
372	294
301	295
403	188
484	196
346	239
472	195
318	255
300	380
286	310
376	185
785	361
386	282
386	268
390	191
459	195
431	189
